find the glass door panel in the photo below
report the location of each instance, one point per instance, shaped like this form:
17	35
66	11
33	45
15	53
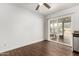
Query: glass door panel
67	31
60	30
53	30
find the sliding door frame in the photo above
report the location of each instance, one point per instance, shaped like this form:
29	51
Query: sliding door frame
57	34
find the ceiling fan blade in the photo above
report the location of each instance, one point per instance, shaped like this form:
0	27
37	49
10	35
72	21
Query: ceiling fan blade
46	5
37	7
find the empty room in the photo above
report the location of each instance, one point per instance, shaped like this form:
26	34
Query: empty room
39	29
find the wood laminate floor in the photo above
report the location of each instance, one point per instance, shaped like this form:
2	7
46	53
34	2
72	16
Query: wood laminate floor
43	48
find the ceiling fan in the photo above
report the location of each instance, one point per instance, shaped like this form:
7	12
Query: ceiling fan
45	4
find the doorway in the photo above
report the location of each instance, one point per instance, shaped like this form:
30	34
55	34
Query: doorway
60	30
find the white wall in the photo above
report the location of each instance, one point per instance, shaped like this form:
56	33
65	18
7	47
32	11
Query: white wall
19	27
74	12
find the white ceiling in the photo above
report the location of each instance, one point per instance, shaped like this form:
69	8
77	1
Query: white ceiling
55	7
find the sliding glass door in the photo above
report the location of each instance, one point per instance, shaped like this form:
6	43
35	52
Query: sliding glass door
60	30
